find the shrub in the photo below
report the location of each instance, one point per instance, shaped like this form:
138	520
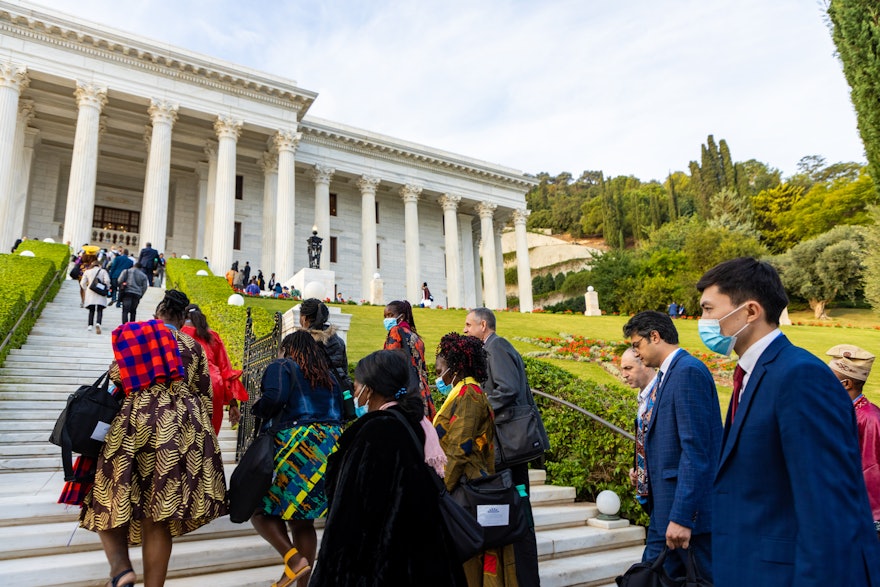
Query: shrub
57	253
23	279
583	453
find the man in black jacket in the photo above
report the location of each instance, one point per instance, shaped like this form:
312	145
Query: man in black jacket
508	391
147	259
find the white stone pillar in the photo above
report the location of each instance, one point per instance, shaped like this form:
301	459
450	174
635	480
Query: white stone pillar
499	265
523	268
154	212
201	212
286	142
410	195
13	227
13	80
90	99
368	186
210	150
321	176
490	263
228	130
269	164
449	203
471	281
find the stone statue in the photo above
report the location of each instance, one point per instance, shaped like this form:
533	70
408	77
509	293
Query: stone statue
314	250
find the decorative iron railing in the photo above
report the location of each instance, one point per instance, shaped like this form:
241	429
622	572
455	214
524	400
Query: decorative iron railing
258	353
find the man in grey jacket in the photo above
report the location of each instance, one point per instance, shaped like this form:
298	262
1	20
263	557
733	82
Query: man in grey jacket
133	285
509	393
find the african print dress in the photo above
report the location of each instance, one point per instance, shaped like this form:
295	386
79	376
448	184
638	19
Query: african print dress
466	427
403	338
161	459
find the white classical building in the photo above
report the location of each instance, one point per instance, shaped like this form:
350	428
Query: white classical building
109	138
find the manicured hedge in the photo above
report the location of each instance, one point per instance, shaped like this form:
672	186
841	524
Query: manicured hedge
23	279
57	253
211	293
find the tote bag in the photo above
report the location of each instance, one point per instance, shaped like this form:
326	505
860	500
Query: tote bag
496	504
252	477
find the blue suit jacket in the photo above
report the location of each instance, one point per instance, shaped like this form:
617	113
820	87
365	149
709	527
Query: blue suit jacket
789	500
682	443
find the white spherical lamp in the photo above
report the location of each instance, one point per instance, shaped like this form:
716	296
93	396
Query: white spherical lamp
590	288
184	256
608	504
314	289
201	272
48	240
235	300
26	254
376	276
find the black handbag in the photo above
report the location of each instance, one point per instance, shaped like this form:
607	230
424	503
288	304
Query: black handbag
518	435
98	286
84	421
497	506
252	477
462	528
652	574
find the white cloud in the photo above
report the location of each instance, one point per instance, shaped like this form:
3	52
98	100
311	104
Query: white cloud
628	87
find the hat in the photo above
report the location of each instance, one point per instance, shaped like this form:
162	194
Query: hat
851	361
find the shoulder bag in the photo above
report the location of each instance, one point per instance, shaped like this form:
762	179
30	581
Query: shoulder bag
496	504
98	286
464	531
84	422
517	435
253	476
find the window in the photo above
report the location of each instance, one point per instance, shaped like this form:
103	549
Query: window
239	187
236	237
332	204
116	219
378	262
332	249
377	212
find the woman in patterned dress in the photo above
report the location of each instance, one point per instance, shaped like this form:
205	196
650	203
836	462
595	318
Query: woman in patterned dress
466	427
401	327
300	397
160	472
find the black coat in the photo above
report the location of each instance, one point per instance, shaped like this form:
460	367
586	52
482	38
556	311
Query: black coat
383	526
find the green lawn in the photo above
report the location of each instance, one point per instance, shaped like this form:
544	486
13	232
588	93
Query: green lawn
367	334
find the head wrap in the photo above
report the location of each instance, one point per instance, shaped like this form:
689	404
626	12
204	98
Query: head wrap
851	361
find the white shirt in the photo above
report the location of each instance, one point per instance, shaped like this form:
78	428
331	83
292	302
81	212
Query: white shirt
749	359
643	396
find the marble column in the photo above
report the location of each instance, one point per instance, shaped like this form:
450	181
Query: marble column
90	99
269	165
286	142
449	203
523	268
210	150
499	265
486	211
410	194
471	282
321	176
13	80
201	212
13	227
228	130
154	212
368	186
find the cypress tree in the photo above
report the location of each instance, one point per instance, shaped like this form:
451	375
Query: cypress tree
855	28
727	168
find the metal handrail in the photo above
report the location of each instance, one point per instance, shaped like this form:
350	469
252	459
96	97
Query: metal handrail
598	419
29	309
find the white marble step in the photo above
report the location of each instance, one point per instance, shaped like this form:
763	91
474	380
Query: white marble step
42	358
589	569
48	449
582	539
42	374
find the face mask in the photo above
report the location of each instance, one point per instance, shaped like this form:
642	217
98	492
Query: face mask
389	323
710	333
442	386
359	410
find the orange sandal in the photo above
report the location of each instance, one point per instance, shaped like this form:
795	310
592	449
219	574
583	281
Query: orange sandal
291	576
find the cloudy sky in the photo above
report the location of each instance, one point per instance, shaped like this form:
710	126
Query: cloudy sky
625	86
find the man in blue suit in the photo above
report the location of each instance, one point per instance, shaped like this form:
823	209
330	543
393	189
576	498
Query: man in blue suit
681	434
789	501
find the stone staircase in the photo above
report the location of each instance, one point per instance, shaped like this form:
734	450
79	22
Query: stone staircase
40	543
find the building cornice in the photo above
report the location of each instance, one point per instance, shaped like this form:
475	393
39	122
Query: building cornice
346	138
27	21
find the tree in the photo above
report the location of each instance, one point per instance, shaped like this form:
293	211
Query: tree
769	206
855	28
872	260
826	267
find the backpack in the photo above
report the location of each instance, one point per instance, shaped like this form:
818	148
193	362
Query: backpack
83	424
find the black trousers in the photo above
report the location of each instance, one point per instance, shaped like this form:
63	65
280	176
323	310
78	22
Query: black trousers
149	275
92	309
525	551
129	307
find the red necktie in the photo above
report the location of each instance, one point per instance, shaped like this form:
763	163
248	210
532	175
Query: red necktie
738	374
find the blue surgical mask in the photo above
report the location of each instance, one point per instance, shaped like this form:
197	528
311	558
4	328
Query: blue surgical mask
442	386
710	333
359	410
389	323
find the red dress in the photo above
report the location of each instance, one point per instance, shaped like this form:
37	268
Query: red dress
868	418
225	380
